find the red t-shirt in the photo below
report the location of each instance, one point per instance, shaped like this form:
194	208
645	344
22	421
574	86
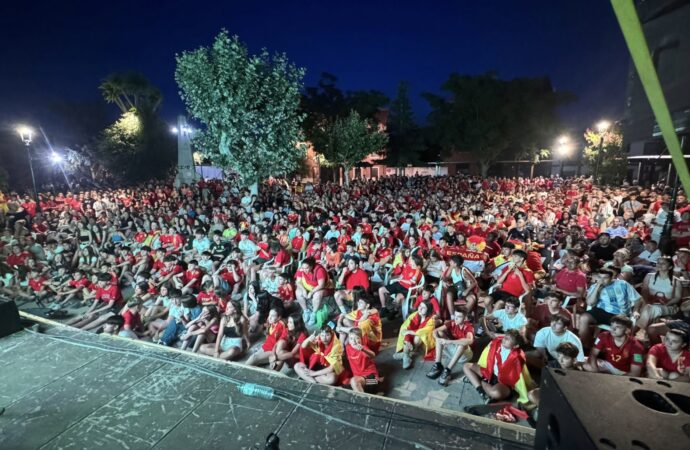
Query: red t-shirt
82	282
664	361
18	260
312	278
631	353
459	332
196	275
205	298
512	284
434	303
276	332
111	293
133	320
37	283
682	227
410	277
357	278
570	280
543	316
361	364
286	292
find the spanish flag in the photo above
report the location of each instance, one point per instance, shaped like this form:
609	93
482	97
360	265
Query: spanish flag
424	330
371	327
330	355
512	372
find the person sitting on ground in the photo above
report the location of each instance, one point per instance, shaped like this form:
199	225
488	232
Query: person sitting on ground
607	297
416	332
132	315
501	369
107	302
427	295
365	317
202	329
399	286
233	335
509	318
276	330
361	361
321	357
671	359
566	357
454	339
616	351
548	339
350	277
287	350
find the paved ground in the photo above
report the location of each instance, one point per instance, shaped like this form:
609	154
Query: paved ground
409	385
71	389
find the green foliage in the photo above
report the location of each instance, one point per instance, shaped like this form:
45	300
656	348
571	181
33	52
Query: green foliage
493	118
406	138
613	165
136	147
349	140
131	90
248	104
325	102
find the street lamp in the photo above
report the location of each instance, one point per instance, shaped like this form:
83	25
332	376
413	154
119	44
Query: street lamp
563	150
56	158
26	133
603	128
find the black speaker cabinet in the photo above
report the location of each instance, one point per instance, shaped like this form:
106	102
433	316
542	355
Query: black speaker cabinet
579	410
9	319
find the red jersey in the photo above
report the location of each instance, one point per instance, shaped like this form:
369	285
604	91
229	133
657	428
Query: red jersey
109	294
631	353
410	277
664	361
276	332
312	278
459	331
195	274
434	303
82	282
286	292
512	284
357	278
37	283
361	364
204	298
133	320
18	260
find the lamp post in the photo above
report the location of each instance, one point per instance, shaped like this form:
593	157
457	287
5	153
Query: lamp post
602	128
186	174
26	134
563	151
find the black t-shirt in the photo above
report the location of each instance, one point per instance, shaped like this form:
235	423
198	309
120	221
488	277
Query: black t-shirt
603	253
516	234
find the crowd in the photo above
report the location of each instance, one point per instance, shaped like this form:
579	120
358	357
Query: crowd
491	279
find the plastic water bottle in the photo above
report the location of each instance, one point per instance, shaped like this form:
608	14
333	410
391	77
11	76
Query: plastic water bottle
257	390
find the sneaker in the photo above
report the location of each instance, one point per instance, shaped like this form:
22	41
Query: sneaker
435	371
445	377
406	360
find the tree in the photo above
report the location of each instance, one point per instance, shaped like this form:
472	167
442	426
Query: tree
248	104
348	141
131	90
493	118
406	138
613	163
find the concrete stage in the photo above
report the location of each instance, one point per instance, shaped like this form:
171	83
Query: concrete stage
61	392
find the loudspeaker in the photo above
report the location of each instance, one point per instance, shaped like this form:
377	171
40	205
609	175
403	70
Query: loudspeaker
579	410
9	319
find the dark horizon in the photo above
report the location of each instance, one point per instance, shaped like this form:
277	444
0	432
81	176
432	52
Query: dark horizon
63	51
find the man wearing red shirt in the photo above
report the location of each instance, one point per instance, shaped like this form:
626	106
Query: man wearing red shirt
107	302
570	280
399	286
515	280
454	340
350	277
361	359
132	317
17	257
312	284
616	352
670	360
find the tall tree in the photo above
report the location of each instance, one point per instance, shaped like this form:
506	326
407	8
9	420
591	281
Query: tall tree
131	90
493	118
406	138
349	140
248	104
613	162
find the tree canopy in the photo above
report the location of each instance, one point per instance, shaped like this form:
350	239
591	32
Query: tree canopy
248	104
494	118
349	140
612	163
406	138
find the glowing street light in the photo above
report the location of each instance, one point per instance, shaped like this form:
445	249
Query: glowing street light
56	158
563	150
603	126
25	133
174	130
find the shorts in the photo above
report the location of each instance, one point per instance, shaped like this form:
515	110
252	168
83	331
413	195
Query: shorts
449	351
227	343
602	317
658	310
397	288
493	381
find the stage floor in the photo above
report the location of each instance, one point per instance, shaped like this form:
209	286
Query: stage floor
77	390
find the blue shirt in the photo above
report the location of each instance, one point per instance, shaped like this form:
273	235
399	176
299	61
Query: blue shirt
616	298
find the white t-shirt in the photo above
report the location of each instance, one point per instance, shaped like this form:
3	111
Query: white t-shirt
651	257
510	323
546	338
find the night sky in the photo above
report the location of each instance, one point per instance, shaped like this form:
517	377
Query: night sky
55	49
